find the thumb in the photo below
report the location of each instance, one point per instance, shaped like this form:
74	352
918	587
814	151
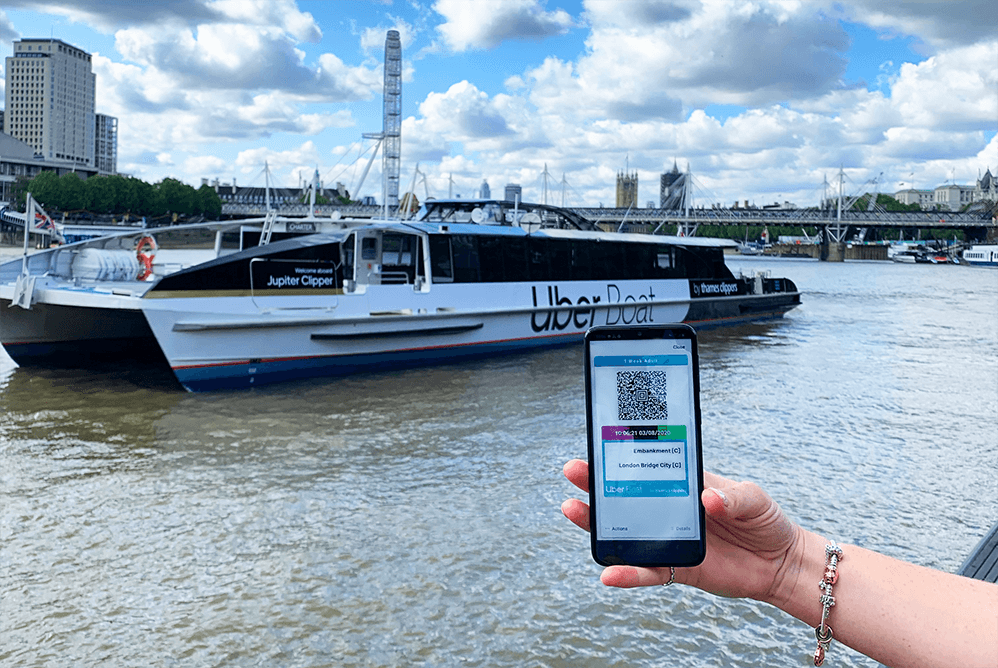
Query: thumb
737	501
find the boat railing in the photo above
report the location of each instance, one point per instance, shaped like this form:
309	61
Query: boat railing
395	278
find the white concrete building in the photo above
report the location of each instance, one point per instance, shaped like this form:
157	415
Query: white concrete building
50	88
923	198
951	197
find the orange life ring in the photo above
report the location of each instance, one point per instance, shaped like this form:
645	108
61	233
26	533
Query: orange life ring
145	257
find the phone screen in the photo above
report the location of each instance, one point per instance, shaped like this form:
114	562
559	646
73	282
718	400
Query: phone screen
645	461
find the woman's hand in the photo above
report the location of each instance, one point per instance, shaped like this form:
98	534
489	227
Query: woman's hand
753	550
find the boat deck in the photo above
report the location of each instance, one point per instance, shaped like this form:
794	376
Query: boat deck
982	564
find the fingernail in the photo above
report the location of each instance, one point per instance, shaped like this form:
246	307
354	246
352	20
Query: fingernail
724	499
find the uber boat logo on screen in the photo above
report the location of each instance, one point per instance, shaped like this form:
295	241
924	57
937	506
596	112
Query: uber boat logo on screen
716	288
287	276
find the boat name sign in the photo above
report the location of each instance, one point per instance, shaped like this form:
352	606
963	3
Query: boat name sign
275	275
716	288
630	312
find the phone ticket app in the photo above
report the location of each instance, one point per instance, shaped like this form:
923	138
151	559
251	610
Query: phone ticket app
644	424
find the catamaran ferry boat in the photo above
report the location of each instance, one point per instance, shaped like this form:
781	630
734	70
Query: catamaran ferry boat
242	303
982	256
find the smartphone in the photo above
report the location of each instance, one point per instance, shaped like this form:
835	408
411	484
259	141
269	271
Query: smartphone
645	455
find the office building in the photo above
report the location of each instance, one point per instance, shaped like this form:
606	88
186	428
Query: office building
514	192
106	144
50	88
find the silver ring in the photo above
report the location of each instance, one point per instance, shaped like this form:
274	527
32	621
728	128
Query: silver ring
672	577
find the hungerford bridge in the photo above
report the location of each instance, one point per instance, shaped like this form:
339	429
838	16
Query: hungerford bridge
835	225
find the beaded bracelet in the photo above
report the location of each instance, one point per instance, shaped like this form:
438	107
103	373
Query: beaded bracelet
823	632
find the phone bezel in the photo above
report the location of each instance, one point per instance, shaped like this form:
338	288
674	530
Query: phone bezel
649	553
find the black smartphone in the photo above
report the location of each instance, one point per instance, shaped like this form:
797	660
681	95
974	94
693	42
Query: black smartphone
645	455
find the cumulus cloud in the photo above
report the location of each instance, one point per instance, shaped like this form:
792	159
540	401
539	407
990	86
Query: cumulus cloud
238	57
476	25
111	15
941	23
206	165
252	160
962	82
710	52
7	31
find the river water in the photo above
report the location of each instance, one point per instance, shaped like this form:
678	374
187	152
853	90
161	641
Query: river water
412	517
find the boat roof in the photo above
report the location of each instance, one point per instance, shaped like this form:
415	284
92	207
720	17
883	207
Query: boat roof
555	233
503	217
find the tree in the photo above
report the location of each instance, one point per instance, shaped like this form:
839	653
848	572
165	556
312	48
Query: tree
178	197
99	195
46	190
74	197
884	202
208	202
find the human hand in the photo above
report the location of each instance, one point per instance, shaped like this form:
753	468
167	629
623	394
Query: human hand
753	550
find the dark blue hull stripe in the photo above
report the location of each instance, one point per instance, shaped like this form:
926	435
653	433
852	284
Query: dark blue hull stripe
248	374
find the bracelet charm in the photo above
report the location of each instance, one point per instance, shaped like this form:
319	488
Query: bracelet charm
823	632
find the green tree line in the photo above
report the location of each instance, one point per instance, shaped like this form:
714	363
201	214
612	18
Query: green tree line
121	195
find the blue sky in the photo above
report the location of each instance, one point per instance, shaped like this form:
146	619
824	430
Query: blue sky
761	100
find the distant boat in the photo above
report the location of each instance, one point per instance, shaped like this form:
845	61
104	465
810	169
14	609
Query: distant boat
982	256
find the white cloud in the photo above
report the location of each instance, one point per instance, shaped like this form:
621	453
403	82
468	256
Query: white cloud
283	14
111	15
206	165
658	61
372	39
242	57
8	33
941	23
485	25
954	89
252	160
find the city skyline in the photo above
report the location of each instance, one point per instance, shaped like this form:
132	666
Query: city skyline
762	101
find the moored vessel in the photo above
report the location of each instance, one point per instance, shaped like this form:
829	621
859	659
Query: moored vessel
236	304
981	256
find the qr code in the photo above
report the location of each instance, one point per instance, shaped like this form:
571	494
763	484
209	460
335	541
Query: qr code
641	395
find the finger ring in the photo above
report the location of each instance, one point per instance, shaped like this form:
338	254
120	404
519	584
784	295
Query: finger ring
672	577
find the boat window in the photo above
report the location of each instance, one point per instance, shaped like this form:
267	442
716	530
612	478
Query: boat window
490	259
604	260
347	266
440	260
581	262
369	248
465	253
398	258
664	257
514	259
398	249
550	259
487	259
